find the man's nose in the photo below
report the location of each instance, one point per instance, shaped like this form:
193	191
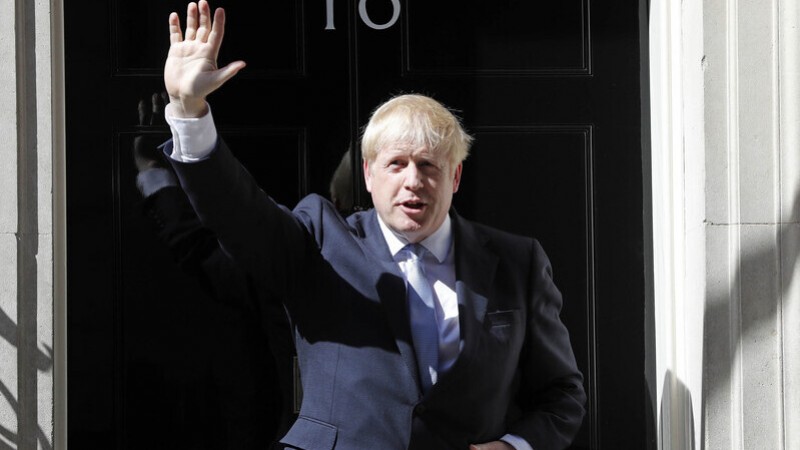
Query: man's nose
413	179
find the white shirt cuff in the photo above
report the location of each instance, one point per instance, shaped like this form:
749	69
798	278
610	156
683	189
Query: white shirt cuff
193	139
517	442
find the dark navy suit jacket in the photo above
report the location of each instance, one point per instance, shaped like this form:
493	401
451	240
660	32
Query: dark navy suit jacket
346	298
196	250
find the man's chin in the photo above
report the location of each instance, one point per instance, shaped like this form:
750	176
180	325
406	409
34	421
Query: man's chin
409	229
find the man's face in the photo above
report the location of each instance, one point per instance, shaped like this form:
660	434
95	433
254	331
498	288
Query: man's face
412	189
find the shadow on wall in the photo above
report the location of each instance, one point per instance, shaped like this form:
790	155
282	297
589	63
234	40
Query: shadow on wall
670	424
719	314
43	363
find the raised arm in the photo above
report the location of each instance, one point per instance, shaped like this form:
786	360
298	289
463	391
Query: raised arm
191	71
263	238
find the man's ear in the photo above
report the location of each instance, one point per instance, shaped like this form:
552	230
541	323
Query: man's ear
367	176
457	177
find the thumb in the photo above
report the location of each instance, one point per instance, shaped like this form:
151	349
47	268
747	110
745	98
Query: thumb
231	69
223	74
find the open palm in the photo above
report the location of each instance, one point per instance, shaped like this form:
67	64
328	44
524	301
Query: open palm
191	72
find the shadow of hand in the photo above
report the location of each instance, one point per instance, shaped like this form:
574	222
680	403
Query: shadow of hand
146	154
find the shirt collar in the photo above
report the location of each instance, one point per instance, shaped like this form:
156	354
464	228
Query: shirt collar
438	243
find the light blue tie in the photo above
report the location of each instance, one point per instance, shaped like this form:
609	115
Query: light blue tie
422	312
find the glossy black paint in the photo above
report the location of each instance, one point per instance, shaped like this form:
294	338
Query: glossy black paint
551	90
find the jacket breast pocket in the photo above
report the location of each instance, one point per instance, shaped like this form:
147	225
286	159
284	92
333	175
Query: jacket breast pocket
503	323
311	434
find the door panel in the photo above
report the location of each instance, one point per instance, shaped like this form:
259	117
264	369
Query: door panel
550	90
508	37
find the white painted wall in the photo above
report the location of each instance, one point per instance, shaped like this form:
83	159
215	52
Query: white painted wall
8	219
32	289
726	161
678	241
789	139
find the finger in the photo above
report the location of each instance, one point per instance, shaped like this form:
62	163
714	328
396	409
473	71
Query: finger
155	107
191	21
217	31
205	19
175	34
142	109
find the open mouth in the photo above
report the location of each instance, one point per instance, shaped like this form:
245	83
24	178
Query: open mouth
413	205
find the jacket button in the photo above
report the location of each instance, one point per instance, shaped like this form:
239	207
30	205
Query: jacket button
419	409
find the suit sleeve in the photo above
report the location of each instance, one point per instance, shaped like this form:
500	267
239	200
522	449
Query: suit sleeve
197	252
265	239
178	228
551	397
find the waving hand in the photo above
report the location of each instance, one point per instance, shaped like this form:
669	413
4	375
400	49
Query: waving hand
191	72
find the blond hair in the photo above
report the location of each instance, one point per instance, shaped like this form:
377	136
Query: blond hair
417	121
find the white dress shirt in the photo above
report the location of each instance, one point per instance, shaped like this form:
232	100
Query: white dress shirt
440	270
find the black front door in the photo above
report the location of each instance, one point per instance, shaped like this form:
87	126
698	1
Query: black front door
550	90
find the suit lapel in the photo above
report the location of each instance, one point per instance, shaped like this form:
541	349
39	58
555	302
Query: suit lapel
391	287
475	271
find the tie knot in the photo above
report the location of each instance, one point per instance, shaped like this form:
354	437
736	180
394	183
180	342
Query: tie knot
416	251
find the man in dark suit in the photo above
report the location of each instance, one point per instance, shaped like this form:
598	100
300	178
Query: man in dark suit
414	327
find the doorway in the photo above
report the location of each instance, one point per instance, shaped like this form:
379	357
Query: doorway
550	90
